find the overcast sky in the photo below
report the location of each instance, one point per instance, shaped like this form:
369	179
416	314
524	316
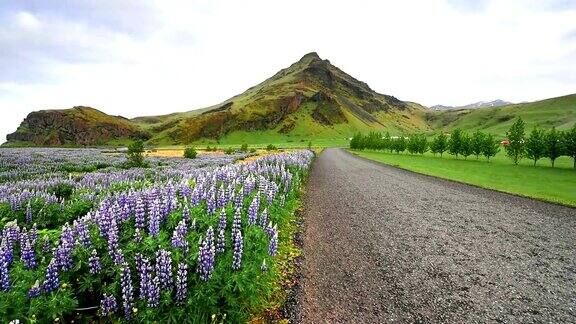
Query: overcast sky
139	57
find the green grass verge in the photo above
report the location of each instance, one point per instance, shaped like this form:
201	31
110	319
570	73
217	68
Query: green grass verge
542	182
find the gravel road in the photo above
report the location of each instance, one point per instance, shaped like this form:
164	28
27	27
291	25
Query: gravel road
387	245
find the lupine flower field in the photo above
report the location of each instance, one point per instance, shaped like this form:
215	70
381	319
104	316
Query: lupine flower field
196	240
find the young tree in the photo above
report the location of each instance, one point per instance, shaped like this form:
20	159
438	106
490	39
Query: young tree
387	143
477	143
515	147
439	144
535	147
466	146
400	144
422	144
455	142
412	144
135	154
356	142
553	145
491	146
569	143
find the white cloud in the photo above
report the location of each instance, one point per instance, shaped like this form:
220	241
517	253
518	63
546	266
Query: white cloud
199	53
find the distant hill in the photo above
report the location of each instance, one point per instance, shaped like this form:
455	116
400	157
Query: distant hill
74	127
479	104
557	112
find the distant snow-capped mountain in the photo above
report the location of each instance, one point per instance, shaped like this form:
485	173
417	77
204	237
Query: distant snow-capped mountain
479	104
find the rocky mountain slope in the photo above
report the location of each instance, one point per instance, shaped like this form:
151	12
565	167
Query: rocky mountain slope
71	127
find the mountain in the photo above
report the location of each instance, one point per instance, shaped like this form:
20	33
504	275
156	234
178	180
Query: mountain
557	112
310	99
76	126
479	104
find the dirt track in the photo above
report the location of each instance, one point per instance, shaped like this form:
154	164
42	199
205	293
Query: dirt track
386	245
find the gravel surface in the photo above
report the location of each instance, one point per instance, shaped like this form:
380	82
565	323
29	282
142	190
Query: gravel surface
387	245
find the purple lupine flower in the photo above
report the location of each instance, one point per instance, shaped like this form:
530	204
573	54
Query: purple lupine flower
154	292
34	291
264	267
221	242
27	252
273	247
206	256
108	305
140	213
46	245
239	199
4	273
271	193
282	200
154	219
186	212
181	283
112	237
94	264
28	213
264	218
223	220
164	269
253	209
237	223
211	203
145	274
127	290
179	235
33	234
82	233
119	257
238	246
51	280
64	250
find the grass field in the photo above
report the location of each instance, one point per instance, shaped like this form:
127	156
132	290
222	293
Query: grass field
542	182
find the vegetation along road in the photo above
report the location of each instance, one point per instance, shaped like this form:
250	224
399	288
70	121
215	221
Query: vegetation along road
383	244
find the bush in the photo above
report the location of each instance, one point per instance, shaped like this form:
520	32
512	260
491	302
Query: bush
190	153
244	148
229	150
271	147
135	155
63	190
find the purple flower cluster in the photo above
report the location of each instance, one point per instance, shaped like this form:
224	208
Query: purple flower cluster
63	253
179	236
238	244
220	242
181	283
4	273
273	247
127	290
51	280
108	305
34	291
253	209
94	264
27	252
164	269
206	256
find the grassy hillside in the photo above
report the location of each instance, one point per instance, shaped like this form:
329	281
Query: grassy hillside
559	112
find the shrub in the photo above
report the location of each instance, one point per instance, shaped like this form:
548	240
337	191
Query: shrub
244	148
135	154
271	147
190	153
229	151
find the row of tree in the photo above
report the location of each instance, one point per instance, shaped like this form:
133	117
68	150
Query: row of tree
540	144
458	143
